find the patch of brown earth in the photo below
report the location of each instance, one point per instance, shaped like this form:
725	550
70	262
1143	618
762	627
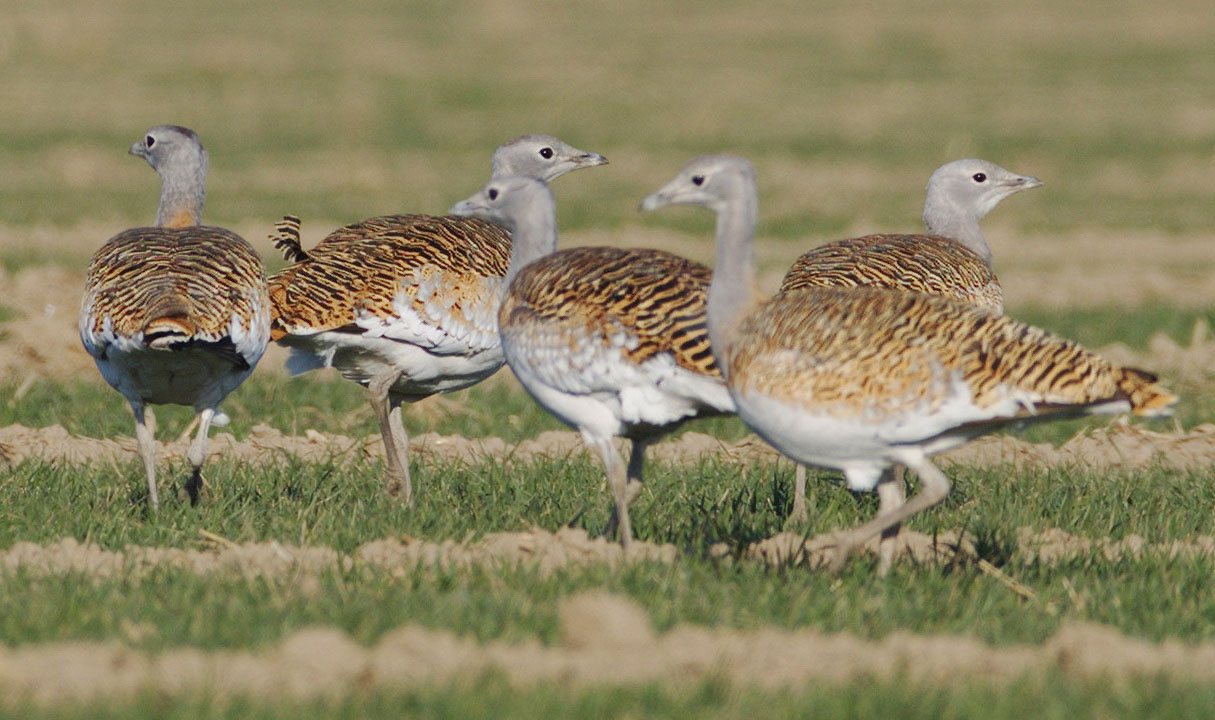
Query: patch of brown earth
1119	445
789	548
606	640
1034	546
538	549
541	550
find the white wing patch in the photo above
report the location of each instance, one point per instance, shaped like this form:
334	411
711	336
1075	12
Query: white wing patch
590	364
439	313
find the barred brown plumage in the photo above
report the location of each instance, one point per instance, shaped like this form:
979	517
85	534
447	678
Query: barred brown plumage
611	341
926	264
405	305
286	239
856	352
952	260
359	269
860	379
956	263
593	291
176	313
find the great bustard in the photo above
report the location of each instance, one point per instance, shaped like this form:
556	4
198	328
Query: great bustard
176	313
405	305
952	260
611	341
861	379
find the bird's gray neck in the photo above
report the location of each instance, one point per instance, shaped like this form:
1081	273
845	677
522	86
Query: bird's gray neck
533	236
182	193
942	218
733	293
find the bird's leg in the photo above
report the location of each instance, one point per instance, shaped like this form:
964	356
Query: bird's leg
934	488
197	454
633	482
145	424
798	514
392	430
891	496
618	483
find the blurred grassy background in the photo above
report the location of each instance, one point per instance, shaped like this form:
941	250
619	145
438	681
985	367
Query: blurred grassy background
337	112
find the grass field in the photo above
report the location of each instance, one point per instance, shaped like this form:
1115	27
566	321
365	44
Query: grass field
337	113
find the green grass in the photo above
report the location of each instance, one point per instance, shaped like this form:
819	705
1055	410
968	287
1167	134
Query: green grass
693	507
1097	327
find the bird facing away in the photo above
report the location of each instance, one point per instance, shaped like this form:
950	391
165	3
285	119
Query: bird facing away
952	260
405	305
177	313
861	379
611	341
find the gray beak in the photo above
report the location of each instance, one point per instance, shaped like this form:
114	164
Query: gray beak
1025	182
591	160
653	201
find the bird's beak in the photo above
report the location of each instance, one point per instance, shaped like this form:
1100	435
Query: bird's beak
591	159
1025	182
467	207
656	200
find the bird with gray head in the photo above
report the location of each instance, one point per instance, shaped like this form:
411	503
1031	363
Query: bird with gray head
542	157
177	313
952	260
179	158
861	379
611	341
405	305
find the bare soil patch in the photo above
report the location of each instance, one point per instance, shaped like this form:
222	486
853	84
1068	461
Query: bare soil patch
1119	445
606	640
540	550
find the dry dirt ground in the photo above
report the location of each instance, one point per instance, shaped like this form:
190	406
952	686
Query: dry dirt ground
540	550
605	639
1119	445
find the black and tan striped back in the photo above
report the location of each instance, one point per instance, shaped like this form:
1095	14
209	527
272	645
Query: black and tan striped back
359	267
174	283
927	264
659	297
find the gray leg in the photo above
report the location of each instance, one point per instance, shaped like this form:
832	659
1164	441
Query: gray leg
145	424
798	513
618	483
396	441
633	483
197	455
934	488
890	498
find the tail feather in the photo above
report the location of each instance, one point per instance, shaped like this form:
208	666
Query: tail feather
287	239
1146	395
170	322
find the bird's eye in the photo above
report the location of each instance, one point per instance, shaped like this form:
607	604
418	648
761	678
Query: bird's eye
698	180
546	153
979	177
493	193
149	141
